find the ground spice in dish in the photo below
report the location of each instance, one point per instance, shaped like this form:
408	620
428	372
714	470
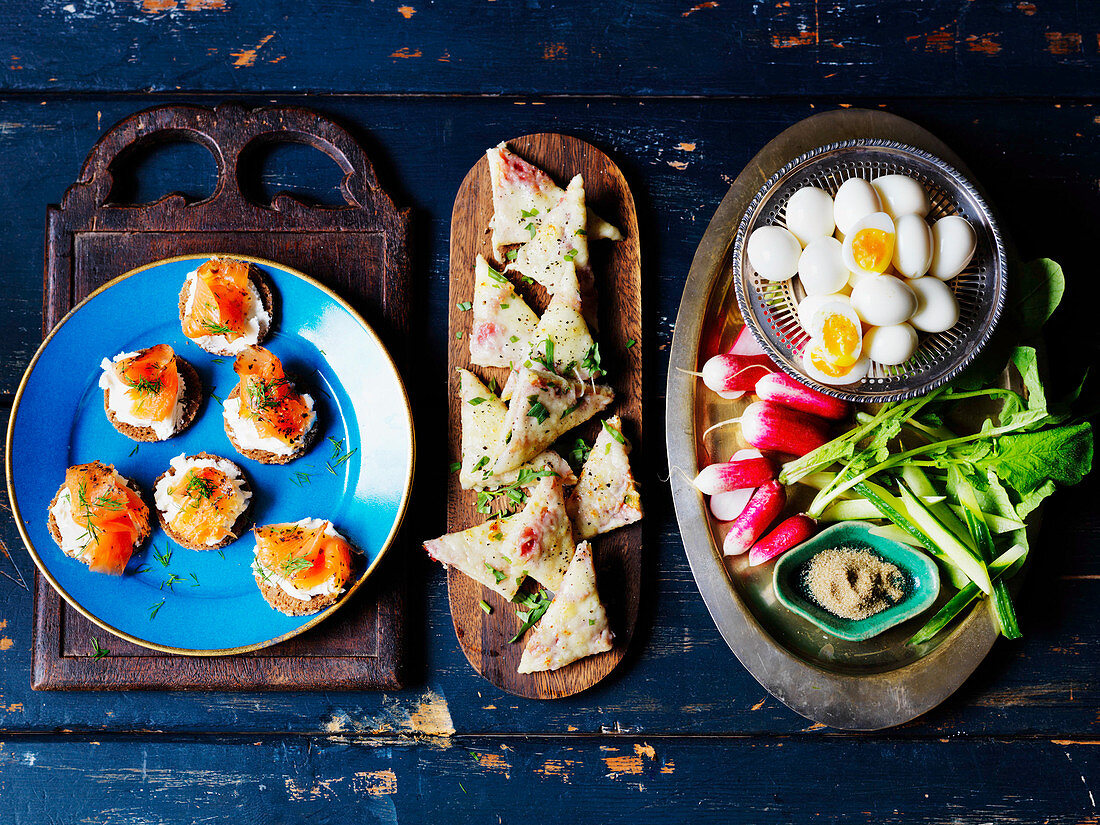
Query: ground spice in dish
853	582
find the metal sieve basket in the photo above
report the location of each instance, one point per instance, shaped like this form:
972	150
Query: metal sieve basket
770	307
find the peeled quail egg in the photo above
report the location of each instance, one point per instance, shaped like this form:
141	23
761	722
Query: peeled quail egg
912	246
821	267
891	345
901	195
854	200
810	214
818	364
869	247
809	305
937	310
774	253
883	301
835	326
953	245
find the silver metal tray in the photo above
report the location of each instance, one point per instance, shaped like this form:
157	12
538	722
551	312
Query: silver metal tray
770	307
861	686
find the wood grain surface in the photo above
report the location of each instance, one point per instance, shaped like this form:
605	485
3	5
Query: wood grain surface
1016	744
617	268
359	248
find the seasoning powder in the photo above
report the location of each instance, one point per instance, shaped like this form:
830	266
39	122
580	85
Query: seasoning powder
853	582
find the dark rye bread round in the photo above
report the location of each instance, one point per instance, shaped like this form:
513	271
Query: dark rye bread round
278	598
55	533
192	400
263	456
240	526
267	298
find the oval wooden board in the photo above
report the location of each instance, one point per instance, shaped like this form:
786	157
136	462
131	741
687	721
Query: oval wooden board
485	637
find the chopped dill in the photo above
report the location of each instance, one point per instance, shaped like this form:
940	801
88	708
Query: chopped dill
155	609
97	651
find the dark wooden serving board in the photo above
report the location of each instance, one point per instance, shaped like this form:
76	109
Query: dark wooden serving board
360	248
485	637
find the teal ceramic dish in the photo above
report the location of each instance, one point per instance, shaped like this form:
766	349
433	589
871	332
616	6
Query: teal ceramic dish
923	581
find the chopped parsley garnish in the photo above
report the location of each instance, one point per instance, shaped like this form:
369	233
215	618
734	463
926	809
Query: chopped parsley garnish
570	410
570	255
456	466
481	462
511	254
505	306
580	451
514	492
591	622
496	276
532	229
536	604
529	213
493	386
499	575
547	357
155	609
592	362
527	280
97	651
618	436
537	410
514	339
458	335
473	402
630	343
464	306
580	232
485	607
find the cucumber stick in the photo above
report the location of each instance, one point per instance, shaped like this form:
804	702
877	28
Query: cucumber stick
916	480
949	543
955	576
1000	570
860	508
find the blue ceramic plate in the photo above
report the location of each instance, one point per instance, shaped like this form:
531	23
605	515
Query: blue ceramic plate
212	605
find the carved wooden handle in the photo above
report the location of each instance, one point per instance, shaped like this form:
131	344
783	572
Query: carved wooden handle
229	131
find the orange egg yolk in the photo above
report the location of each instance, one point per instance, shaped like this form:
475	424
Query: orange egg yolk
872	249
841	340
833	370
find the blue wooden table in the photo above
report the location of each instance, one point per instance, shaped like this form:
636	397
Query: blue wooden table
681	95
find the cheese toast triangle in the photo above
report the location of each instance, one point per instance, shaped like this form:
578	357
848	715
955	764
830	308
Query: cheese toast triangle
606	496
482	414
522	195
564	326
480	552
558	242
503	322
540	536
543	407
574	626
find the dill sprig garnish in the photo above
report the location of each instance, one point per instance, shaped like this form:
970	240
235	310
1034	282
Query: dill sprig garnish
97	651
163	556
217	329
155	609
294	564
264	395
170	582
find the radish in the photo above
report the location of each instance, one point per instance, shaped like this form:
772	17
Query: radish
782	389
763	508
734	373
794	530
745	344
774	427
728	506
734	475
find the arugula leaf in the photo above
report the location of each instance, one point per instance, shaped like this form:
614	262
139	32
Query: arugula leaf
1034	293
1025	461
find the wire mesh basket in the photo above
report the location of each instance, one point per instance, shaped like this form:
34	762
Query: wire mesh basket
770	307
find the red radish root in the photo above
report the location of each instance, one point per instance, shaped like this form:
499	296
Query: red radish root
763	508
782	389
776	428
791	532
734	475
734	373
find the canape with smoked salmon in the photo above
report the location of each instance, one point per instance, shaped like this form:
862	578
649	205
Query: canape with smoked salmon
265	417
226	306
151	394
302	567
97	517
203	501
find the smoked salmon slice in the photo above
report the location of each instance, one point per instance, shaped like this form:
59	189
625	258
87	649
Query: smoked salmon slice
114	516
208	500
221	300
153	381
268	397
305	556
